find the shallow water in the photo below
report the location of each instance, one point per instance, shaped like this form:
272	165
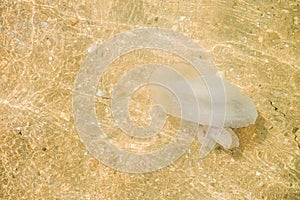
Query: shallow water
44	44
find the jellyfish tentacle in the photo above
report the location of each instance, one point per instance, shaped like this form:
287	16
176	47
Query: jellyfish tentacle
207	142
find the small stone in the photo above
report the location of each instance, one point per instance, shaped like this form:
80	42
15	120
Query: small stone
44	24
74	21
21	44
284	172
92	48
182	18
260	184
65	116
89	21
295	129
296	20
30	22
100	93
175	27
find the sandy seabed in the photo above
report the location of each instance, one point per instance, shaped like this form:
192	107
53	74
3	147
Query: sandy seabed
43	44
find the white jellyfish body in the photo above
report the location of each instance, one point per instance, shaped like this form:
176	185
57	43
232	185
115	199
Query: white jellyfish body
178	97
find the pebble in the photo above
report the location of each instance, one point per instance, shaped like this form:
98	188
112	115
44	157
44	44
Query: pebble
44	24
182	18
296	20
100	93
74	21
175	27
65	116
89	21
